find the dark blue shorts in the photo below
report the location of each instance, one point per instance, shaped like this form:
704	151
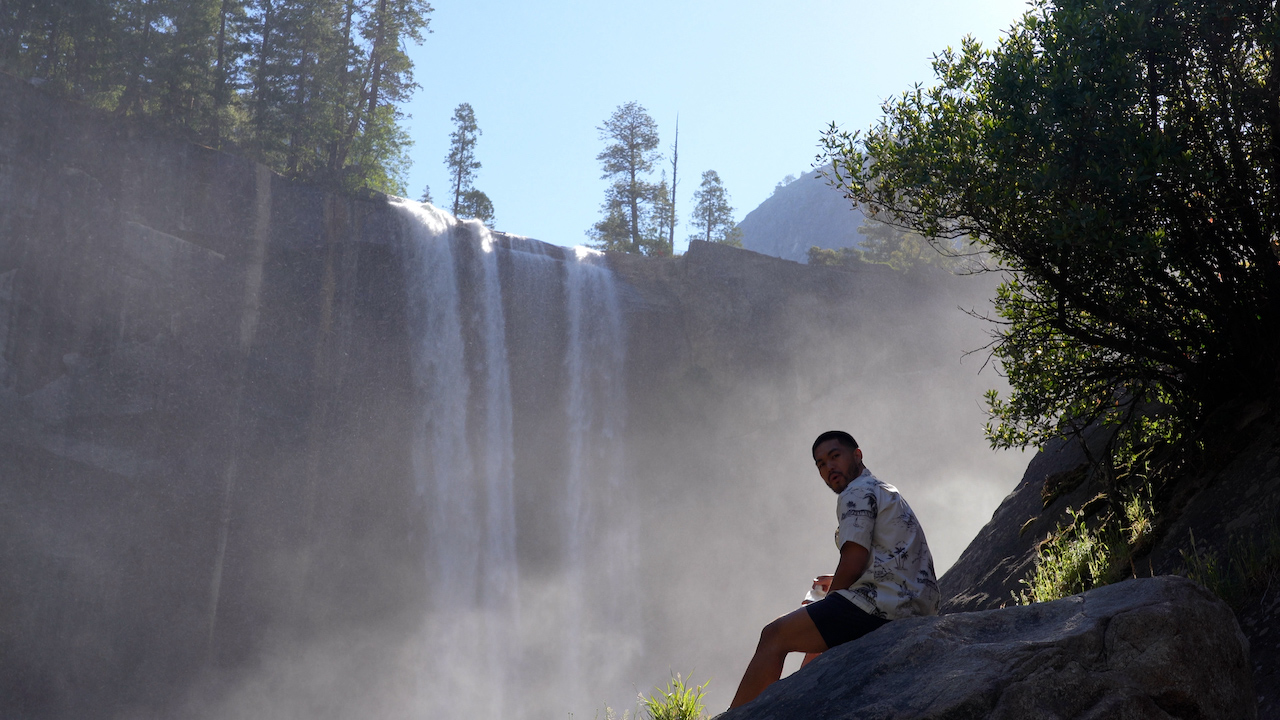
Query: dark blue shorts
840	621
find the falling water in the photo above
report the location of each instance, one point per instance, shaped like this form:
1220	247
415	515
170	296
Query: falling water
490	632
598	535
467	518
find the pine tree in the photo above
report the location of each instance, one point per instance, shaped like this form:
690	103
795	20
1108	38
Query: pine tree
461	159
613	231
288	40
372	151
386	30
712	214
230	50
475	204
67	46
183	77
316	53
904	250
630	155
659	220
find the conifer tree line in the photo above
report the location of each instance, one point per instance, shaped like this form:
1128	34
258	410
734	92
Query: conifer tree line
308	87
639	215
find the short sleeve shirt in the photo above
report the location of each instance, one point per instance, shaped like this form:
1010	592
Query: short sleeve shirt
899	581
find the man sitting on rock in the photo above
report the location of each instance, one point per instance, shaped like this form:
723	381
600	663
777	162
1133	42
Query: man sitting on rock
885	570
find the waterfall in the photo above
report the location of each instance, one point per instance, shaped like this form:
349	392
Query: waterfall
597	534
499	642
467	506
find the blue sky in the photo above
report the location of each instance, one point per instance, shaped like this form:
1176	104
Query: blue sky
754	84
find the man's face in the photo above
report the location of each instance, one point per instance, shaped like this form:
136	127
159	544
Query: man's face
838	465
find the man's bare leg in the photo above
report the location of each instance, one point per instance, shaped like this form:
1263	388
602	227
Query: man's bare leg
793	632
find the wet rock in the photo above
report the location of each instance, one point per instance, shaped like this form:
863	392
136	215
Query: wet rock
1159	647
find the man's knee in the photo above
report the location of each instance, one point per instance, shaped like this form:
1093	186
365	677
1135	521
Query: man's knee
773	634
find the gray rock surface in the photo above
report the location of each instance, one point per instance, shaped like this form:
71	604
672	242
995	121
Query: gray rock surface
992	567
799	215
1149	648
1230	503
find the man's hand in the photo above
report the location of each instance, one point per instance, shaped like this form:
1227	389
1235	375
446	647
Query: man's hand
853	562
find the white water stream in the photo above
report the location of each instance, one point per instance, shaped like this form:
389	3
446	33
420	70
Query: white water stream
495	642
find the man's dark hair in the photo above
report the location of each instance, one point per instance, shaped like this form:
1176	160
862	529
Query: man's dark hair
845	439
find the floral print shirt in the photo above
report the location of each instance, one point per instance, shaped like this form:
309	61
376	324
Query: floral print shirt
899	581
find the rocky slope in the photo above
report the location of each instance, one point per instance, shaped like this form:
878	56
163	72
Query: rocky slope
799	215
1232	501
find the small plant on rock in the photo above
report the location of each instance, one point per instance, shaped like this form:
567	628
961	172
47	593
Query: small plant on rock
1251	566
679	701
1075	559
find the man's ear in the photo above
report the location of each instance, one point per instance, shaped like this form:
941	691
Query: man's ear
857	454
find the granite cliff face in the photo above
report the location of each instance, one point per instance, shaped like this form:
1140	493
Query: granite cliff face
212	421
176	326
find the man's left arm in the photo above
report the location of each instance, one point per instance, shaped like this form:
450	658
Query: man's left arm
853	562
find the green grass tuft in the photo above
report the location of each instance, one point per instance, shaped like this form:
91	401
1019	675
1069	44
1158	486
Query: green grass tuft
1251	566
679	701
1072	560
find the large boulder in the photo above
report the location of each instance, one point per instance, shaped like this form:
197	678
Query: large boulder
1159	647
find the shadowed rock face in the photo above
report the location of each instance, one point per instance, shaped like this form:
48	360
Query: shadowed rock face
1150	648
1231	501
177	327
993	566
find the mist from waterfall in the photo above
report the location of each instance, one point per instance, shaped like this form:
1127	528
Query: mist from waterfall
279	452
488	630
596	473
